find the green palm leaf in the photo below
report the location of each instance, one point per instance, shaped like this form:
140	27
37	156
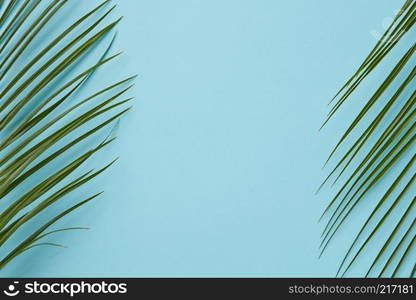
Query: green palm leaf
366	155
41	120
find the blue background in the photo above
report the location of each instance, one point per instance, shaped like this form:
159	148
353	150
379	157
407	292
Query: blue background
221	155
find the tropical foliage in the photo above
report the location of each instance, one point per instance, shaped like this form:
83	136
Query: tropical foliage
377	151
43	119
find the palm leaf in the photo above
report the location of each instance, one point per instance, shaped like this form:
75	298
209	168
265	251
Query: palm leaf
365	157
38	125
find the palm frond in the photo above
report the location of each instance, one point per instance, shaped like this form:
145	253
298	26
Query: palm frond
369	152
38	125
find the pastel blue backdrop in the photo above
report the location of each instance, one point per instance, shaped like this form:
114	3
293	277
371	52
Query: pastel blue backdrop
221	155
